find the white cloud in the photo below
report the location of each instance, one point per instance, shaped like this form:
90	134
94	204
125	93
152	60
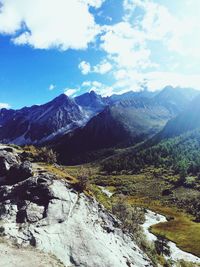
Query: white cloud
98	87
84	67
154	80
94	3
70	92
103	67
52	87
125	45
50	23
4	105
179	31
128	45
158	80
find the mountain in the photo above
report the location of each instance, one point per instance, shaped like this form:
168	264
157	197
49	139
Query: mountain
176	99
125	122
91	101
36	124
176	147
187	120
132	95
133	115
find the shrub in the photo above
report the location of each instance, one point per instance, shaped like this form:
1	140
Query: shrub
83	180
161	246
47	155
131	217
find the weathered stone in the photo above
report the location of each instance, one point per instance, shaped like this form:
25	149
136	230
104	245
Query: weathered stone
58	211
12	170
7	160
44	212
34	212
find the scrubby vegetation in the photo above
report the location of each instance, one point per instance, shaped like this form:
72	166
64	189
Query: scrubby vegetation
40	154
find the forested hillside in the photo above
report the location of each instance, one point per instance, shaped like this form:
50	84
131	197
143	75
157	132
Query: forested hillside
180	154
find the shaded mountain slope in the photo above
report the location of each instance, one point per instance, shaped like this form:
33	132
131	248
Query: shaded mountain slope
188	120
138	113
122	124
37	124
176	147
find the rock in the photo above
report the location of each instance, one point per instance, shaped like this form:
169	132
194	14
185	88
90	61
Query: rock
12	256
34	191
26	169
5	192
71	226
12	170
7	149
34	212
57	211
7	160
45	213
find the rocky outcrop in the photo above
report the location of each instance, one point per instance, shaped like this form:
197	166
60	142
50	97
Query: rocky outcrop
47	214
12	170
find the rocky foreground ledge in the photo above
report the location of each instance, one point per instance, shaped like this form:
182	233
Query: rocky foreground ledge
43	212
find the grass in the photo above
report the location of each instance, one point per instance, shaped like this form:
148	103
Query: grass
101	197
180	228
59	172
145	191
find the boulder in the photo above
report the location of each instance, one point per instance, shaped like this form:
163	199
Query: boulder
34	212
7	160
12	170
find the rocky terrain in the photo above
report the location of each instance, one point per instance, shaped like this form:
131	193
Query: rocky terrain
39	210
23	257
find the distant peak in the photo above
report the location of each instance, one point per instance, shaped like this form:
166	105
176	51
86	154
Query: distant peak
92	92
61	97
169	87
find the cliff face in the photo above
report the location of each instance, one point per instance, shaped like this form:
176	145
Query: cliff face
43	212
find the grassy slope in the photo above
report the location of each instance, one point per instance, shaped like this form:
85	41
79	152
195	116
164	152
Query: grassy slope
143	190
146	191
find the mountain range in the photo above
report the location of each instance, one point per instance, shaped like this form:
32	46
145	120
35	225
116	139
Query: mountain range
126	120
176	147
90	122
38	124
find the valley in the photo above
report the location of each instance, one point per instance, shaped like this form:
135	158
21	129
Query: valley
129	157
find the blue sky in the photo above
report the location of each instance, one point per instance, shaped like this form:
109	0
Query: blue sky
49	47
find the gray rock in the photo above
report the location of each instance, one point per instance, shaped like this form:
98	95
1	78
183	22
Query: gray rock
12	170
44	212
7	160
34	212
58	211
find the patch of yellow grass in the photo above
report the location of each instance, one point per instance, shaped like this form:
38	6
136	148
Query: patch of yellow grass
59	172
180	229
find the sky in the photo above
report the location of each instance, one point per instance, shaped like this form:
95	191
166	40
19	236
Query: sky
50	47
